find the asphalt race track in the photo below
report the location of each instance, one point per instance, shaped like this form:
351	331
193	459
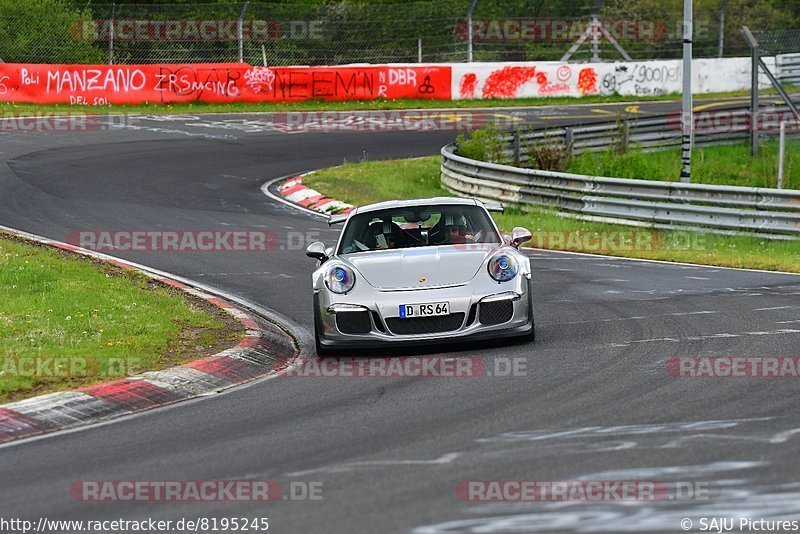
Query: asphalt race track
597	402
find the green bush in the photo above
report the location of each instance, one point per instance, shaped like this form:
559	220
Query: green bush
44	31
549	154
485	144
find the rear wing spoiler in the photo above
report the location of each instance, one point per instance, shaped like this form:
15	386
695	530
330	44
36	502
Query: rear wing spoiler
493	206
337	219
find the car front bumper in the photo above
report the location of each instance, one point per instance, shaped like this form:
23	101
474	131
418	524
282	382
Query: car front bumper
488	311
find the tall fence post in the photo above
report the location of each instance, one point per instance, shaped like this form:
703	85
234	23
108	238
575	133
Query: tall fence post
240	31
596	31
111	34
469	29
722	27
753	90
419	50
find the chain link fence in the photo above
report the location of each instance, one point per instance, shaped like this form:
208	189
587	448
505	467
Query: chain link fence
351	31
774	42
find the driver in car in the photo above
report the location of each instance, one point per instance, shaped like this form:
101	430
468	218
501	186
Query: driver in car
385	235
455	230
455	234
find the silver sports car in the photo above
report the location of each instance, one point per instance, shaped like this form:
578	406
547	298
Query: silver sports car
420	271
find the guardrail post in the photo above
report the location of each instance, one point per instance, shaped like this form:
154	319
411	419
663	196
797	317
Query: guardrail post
569	140
517	146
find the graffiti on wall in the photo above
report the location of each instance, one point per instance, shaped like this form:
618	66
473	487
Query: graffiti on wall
223	82
240	82
563	79
641	79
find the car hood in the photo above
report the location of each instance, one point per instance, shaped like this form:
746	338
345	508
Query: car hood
420	267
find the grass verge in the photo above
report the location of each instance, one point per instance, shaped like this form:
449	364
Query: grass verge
722	165
67	321
321	105
364	183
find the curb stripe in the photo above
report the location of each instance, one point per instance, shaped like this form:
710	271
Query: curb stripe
311	200
133	395
173	283
264	347
232	370
302	195
297	186
293	190
14	425
65	409
289	183
186	380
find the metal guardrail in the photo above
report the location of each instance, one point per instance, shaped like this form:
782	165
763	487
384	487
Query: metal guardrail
651	133
788	68
770	213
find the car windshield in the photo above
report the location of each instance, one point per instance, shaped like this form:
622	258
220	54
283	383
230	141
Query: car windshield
417	226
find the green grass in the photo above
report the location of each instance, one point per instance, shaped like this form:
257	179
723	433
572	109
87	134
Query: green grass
103	322
723	165
320	105
363	183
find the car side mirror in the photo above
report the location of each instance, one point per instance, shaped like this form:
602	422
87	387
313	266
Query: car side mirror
317	251
520	235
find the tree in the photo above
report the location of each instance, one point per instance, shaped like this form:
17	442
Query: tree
46	31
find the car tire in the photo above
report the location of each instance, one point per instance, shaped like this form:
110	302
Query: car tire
532	335
321	351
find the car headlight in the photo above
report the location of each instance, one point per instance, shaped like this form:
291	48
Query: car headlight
340	278
503	267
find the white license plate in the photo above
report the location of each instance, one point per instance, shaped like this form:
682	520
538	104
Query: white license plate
408	311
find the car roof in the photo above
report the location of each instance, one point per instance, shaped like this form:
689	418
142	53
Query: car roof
435	201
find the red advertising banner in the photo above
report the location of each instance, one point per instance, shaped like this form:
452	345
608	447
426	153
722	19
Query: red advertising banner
216	82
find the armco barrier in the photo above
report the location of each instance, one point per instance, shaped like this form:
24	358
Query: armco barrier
240	82
654	132
788	68
771	213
